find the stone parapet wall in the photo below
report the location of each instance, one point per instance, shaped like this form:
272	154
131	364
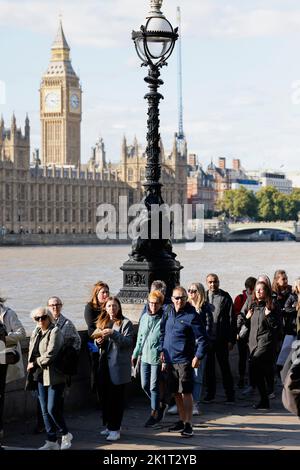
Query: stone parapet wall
21	405
32	239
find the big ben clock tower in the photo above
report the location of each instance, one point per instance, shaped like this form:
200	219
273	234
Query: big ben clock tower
60	107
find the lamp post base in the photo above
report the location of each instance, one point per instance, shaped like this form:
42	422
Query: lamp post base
139	275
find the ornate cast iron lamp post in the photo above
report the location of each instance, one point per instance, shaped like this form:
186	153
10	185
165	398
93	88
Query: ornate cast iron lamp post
151	256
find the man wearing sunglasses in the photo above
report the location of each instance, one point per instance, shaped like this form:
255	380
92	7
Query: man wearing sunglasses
183	344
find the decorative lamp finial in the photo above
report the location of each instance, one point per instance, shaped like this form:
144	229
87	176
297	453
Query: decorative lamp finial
155	6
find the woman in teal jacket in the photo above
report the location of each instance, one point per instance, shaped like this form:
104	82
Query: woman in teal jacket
147	346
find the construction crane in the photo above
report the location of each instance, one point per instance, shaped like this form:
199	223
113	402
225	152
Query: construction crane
180	134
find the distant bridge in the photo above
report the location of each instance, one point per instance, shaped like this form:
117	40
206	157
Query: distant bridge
264	231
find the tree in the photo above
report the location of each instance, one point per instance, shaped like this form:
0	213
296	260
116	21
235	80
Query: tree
266	203
294	204
227	203
245	203
238	203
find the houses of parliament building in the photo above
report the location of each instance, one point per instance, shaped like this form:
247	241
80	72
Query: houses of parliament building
56	193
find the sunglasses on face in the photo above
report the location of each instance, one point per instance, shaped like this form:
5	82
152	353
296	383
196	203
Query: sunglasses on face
55	305
183	297
192	291
41	318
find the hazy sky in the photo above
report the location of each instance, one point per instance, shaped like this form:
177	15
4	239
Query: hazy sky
241	74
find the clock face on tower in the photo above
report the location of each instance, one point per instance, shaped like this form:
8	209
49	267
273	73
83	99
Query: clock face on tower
52	101
74	101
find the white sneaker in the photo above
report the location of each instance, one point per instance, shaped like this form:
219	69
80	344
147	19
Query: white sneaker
173	410
105	432
113	436
272	395
49	445
66	441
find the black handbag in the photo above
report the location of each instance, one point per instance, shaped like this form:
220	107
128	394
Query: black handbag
30	383
9	356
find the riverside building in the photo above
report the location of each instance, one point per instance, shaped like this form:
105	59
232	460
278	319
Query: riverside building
56	193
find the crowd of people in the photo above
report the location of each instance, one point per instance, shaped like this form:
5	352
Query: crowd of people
178	342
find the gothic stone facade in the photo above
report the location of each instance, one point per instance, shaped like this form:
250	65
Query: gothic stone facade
61	195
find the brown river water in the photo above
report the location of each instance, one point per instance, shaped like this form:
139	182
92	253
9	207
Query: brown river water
29	275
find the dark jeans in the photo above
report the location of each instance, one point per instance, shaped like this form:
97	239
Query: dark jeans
51	404
3	371
259	366
220	351
243	353
112	399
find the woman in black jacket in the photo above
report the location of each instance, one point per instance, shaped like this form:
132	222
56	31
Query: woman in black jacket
292	311
92	311
263	322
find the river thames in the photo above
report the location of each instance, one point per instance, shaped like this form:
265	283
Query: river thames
29	275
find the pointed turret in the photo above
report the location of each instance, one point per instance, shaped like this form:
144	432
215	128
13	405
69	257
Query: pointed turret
136	147
13	123
60	41
124	149
162	150
60	63
27	126
174	149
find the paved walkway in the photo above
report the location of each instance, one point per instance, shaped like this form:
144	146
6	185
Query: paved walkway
222	427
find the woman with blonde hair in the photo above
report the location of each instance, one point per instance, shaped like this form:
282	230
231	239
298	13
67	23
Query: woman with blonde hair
196	297
147	346
114	338
45	344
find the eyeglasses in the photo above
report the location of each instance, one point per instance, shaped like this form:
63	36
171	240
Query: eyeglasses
192	291
41	318
55	305
183	297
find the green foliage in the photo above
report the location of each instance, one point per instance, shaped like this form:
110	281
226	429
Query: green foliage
238	203
268	204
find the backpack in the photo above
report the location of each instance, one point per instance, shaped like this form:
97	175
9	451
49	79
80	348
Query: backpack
67	358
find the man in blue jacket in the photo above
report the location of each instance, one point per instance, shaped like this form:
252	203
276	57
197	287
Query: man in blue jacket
183	343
